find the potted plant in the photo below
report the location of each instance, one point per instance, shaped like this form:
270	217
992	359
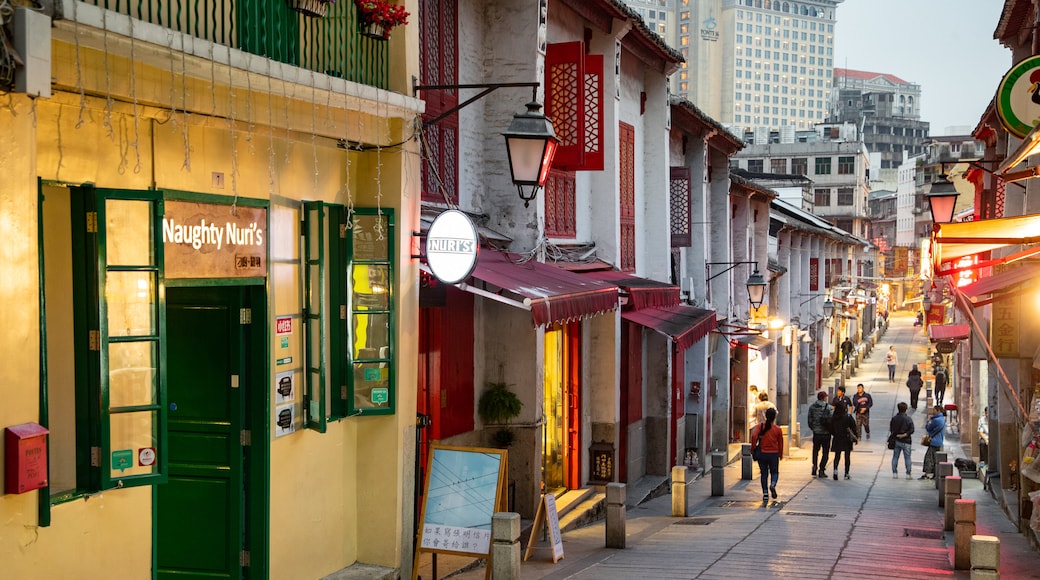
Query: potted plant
315	8
498	406
377	17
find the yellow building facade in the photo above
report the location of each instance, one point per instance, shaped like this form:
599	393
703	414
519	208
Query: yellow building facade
252	418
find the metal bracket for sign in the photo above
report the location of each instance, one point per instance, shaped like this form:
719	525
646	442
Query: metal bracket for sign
418	256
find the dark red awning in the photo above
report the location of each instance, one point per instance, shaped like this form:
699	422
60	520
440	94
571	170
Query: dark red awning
940	332
642	292
553	295
685	325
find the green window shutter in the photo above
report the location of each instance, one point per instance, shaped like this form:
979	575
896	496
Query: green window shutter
315	242
370	296
131	431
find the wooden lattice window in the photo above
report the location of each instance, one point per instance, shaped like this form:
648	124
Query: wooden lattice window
574	102
560	204
438	65
564	104
814	274
681	206
627	180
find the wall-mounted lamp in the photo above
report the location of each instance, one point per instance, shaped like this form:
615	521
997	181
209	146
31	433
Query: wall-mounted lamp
531	144
828	307
941	200
756	283
530	139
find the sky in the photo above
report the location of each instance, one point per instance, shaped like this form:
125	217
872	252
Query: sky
946	46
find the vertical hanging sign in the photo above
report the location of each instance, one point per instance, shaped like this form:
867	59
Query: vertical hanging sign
1004	335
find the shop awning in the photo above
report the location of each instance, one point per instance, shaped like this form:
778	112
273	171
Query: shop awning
940	332
551	294
641	292
955	240
685	325
976	291
764	345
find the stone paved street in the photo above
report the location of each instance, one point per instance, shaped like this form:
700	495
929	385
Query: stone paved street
872	526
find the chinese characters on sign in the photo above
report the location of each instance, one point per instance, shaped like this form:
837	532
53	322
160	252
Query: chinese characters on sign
206	240
456	539
1004	331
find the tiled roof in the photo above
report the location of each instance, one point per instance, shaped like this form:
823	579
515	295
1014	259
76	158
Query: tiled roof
866	76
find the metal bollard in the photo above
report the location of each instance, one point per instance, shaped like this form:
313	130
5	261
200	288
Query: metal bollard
942	471
615	526
963	530
718	477
745	461
985	557
505	546
679	503
953	493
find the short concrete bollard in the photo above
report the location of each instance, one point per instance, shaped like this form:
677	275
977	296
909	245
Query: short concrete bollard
941	457
615	526
679	503
985	557
718	476
952	484
963	530
942	471
505	546
745	461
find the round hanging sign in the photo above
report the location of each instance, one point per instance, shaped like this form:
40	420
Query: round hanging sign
1018	97
946	346
452	246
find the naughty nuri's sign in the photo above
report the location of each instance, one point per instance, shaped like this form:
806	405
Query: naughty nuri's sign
205	240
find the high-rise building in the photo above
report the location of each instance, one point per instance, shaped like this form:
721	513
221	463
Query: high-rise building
751	63
887	109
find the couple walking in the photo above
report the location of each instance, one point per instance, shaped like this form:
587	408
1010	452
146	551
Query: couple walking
835	430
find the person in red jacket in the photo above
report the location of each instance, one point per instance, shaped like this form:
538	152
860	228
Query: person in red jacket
770	440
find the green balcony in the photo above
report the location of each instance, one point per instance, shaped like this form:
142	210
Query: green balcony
330	44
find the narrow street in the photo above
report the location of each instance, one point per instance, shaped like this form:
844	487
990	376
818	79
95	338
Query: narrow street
871	526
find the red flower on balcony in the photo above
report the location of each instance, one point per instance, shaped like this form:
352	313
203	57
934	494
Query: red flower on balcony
381	14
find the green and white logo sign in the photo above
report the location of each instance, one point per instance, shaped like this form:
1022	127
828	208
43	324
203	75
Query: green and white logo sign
1018	97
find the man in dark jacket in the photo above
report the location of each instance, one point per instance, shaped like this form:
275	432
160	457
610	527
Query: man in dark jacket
861	403
847	348
840	398
820	423
914	382
901	431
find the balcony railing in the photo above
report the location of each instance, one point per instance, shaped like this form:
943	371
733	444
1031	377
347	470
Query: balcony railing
331	44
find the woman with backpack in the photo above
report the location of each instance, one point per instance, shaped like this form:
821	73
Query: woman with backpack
768	440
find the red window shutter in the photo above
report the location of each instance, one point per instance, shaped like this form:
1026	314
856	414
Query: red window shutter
681	206
593	113
814	274
560	204
627	180
564	103
438	65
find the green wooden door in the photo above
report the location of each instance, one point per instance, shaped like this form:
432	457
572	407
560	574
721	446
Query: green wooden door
200	510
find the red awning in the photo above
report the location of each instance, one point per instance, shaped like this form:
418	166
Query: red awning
642	292
551	294
760	343
940	332
685	325
1004	280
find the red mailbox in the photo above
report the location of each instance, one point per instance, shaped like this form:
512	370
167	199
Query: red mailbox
25	458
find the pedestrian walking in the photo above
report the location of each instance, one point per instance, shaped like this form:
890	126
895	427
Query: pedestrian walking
984	438
901	439
892	360
861	404
914	382
770	440
936	427
762	406
841	398
942	378
847	349
820	423
843	433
